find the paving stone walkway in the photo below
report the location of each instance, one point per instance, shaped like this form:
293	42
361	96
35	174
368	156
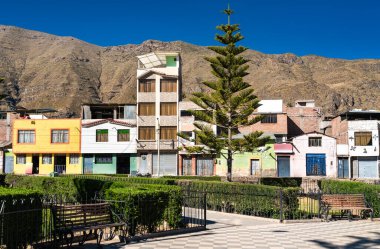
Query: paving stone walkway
237	231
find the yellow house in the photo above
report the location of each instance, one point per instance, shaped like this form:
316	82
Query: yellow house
42	146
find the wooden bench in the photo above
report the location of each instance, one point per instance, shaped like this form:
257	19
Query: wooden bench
90	219
345	203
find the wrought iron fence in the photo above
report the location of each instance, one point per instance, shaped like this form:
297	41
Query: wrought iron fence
30	224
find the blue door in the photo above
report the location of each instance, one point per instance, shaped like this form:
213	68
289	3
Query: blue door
8	164
315	164
343	168
283	165
88	161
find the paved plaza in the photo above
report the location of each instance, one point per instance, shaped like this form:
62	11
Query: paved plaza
237	231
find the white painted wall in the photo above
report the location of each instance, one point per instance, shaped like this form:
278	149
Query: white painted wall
301	148
363	126
270	106
89	144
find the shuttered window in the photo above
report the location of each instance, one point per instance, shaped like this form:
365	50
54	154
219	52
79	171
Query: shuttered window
123	135
147	133
168	132
147	85
102	135
363	138
168	109
168	85
147	109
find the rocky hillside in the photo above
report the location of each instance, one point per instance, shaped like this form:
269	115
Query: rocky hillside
43	70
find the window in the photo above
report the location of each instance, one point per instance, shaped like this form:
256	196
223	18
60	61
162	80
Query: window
21	159
123	135
74	159
315	142
280	138
147	133
147	109
168	85
168	132
60	136
26	136
168	109
147	85
186	114
269	118
46	159
103	158
102	135
363	138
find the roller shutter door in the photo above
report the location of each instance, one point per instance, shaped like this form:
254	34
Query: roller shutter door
168	164
205	166
365	167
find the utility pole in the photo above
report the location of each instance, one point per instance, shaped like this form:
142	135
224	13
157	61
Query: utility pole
158	147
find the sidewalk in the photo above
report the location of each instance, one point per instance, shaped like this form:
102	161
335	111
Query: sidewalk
238	231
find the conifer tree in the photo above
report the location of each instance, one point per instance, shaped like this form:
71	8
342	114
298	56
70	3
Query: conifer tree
229	103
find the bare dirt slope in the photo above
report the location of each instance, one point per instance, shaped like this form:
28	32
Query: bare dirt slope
43	70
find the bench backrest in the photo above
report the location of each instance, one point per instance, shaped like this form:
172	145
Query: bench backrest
344	200
81	214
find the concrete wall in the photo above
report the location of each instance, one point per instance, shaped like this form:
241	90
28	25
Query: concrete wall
90	146
301	148
241	165
363	126
43	129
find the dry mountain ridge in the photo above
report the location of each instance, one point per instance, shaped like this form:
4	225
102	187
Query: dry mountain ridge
43	70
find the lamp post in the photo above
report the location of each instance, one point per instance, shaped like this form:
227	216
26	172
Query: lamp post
158	147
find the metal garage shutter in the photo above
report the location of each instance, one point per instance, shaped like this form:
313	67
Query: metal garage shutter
367	167
205	166
168	164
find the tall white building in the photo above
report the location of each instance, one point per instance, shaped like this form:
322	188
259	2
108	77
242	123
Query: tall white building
158	89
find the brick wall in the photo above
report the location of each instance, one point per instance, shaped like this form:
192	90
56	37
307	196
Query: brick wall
281	127
303	120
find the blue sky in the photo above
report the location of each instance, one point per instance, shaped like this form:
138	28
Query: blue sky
347	29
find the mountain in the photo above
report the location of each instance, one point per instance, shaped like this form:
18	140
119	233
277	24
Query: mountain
48	71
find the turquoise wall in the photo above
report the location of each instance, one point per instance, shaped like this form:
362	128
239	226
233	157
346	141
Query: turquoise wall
133	162
105	168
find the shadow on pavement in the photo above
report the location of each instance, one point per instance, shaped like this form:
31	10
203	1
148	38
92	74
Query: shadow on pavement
359	243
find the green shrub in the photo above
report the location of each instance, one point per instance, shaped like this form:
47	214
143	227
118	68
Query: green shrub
22	217
250	199
141	180
202	178
370	191
282	182
146	207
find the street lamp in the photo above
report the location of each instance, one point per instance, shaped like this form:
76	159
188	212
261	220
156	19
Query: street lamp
158	146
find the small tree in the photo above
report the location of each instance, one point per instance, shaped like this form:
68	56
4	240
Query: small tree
229	103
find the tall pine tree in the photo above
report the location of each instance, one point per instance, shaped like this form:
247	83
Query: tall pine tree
229	103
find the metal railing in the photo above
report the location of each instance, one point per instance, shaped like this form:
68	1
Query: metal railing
29	223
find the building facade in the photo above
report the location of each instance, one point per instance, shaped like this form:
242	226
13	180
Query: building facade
158	86
43	146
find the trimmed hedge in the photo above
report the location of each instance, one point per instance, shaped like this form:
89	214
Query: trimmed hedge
146	207
141	180
72	189
20	228
370	191
202	178
282	182
250	199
